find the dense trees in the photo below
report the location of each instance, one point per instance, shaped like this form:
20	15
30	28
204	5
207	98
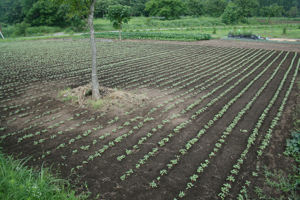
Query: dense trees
170	9
272	11
195	7
232	14
11	11
247	6
215	8
44	12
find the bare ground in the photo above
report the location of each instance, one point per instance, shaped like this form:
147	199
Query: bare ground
102	174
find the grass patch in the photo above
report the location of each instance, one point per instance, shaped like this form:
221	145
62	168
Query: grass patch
285	182
64	92
98	104
38	38
21	182
65	97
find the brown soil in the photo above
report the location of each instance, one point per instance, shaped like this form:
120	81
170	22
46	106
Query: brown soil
232	43
112	99
183	60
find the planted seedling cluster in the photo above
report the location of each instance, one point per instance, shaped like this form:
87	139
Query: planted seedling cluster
211	114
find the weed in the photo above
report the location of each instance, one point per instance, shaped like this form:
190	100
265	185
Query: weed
98	104
64	92
21	182
284	30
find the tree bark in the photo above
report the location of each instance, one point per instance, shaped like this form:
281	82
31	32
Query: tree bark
95	83
120	31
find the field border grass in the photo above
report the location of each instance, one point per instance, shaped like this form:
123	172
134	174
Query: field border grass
19	181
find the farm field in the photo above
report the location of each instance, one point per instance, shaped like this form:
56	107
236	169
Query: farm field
211	117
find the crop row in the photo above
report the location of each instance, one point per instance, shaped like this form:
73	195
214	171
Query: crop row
154	36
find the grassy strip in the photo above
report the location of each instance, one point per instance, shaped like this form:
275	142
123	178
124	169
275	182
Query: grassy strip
20	182
38	38
153	36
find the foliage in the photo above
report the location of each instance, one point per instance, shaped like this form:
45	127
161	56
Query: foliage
96	104
286	182
272	11
21	29
42	13
231	14
155	36
27	5
77	24
118	15
215	8
12	12
195	7
247	6
101	7
21	182
75	7
284	30
294	12
169	9
293	145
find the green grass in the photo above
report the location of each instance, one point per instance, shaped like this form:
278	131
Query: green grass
154	36
13	31
98	104
264	31
20	182
186	24
150	23
37	38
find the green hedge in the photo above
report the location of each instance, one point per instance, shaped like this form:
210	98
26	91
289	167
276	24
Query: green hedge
153	36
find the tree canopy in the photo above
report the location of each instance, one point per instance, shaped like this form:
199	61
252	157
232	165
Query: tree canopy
247	6
44	12
119	15
195	7
215	8
272	11
231	14
169	9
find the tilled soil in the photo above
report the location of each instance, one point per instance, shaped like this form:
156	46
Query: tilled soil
185	74
232	43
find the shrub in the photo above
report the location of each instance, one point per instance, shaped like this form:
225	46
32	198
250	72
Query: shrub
284	30
214	30
21	28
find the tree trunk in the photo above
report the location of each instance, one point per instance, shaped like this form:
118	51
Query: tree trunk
120	31
95	83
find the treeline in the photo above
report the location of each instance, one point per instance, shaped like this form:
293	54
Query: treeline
47	13
254	8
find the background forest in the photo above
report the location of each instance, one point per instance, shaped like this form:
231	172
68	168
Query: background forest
22	14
